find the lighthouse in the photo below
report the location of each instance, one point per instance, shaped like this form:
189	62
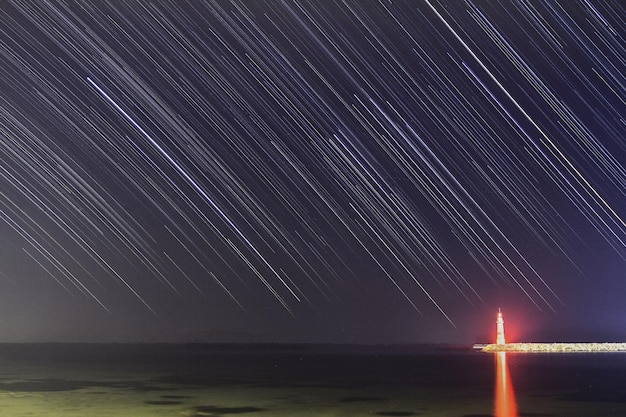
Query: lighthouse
500	329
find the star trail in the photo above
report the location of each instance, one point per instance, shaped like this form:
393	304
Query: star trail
368	171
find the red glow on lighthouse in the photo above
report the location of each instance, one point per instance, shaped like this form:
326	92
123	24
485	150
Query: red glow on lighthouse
500	329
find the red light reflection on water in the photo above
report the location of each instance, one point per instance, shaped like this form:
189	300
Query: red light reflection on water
504	404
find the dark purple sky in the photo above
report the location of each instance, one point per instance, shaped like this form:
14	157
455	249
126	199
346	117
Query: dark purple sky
360	171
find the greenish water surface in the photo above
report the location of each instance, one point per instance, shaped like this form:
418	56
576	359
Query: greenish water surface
299	380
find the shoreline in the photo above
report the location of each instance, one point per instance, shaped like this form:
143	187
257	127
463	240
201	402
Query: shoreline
553	347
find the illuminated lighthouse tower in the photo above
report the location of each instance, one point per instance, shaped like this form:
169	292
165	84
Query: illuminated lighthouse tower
500	329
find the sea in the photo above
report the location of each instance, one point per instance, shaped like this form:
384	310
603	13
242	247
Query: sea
192	380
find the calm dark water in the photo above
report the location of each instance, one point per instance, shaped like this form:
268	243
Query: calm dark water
260	380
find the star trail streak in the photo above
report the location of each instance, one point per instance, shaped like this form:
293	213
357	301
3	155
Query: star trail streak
326	166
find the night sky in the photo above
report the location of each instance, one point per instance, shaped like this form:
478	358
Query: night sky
312	171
